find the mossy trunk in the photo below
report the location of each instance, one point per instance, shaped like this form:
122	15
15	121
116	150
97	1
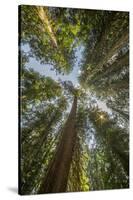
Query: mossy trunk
57	175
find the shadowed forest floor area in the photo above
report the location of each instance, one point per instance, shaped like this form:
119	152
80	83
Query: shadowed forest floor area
74	100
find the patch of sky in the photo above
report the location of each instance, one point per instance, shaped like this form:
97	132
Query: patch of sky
45	69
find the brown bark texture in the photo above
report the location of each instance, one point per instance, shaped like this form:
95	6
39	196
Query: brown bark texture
58	171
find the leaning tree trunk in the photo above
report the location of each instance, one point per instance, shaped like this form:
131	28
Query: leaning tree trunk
43	16
124	158
57	175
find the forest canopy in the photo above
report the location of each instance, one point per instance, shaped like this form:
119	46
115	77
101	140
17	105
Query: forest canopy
74	100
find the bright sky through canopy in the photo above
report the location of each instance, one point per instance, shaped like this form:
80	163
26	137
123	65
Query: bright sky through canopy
45	69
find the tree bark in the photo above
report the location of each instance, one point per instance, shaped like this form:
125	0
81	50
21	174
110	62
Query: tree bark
124	158
42	15
58	171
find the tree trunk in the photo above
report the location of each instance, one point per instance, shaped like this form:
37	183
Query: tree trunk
124	158
42	15
57	175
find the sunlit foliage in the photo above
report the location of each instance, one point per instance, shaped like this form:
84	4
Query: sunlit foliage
68	143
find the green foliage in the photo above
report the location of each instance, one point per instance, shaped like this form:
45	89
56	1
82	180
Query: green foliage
110	152
36	88
35	33
100	157
105	66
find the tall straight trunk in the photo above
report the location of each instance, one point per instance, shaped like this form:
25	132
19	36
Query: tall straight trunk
58	171
43	16
124	158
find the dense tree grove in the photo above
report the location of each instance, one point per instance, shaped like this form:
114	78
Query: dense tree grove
68	142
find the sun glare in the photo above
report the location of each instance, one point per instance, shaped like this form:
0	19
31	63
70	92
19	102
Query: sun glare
101	116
